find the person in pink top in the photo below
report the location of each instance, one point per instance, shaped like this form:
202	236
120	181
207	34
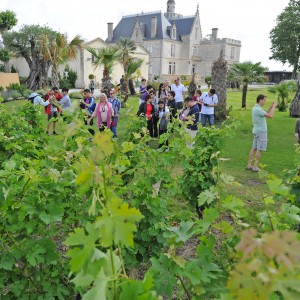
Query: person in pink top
104	113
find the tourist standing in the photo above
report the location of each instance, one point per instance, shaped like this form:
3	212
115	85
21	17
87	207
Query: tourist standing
146	109
208	100
87	105
143	89
260	135
192	115
297	131
104	113
53	108
65	100
92	86
179	90
116	105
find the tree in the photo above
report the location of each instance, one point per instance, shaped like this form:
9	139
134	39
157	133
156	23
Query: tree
219	73
283	90
4	57
126	49
295	105
58	51
26	44
285	36
107	58
7	21
246	73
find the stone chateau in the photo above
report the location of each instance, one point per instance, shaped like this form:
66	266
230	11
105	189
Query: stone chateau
169	44
175	42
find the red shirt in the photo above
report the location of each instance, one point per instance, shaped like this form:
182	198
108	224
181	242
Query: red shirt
149	111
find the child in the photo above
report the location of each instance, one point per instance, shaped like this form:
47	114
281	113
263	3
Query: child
163	115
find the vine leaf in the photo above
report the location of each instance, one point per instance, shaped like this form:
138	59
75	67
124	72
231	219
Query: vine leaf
267	265
117	223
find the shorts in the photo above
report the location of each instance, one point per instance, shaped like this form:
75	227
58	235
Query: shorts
260	141
53	114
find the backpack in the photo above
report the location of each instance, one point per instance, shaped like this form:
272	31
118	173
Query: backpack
31	99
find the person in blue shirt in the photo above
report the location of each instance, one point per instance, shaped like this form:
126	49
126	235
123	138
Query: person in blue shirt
116	105
88	104
65	101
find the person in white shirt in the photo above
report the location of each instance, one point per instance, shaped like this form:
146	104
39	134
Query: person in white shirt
36	99
208	100
179	90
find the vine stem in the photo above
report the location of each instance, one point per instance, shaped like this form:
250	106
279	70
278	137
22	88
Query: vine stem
114	271
184	287
121	259
272	226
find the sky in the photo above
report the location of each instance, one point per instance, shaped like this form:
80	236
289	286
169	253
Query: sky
248	21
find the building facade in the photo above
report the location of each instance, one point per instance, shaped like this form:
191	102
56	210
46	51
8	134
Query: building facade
83	64
175	43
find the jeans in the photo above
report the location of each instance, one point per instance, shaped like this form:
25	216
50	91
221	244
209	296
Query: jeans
211	119
114	128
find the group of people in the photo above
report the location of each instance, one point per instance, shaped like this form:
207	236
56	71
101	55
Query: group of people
159	108
55	102
162	106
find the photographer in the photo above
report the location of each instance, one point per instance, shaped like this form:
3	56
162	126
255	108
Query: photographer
208	100
88	105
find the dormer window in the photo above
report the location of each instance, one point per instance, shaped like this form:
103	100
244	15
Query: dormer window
174	33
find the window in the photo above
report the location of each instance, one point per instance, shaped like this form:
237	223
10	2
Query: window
196	32
232	52
173	50
171	67
136	32
194	50
93	58
150	69
149	48
174	33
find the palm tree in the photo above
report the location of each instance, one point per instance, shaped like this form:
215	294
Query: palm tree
283	90
219	73
107	58
246	73
132	67
58	51
126	49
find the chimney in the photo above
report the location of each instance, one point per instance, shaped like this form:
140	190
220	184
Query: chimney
214	33
153	27
110	31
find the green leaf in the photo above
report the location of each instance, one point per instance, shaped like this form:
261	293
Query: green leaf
276	186
208	196
117	223
98	291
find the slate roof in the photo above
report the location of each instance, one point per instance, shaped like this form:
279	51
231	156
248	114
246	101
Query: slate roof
126	25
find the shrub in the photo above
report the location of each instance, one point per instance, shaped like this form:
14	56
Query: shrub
13	87
13	69
91	76
22	80
2	68
15	95
1	88
63	82
1	99
72	77
75	95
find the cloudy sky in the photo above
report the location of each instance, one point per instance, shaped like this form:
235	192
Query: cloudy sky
247	21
